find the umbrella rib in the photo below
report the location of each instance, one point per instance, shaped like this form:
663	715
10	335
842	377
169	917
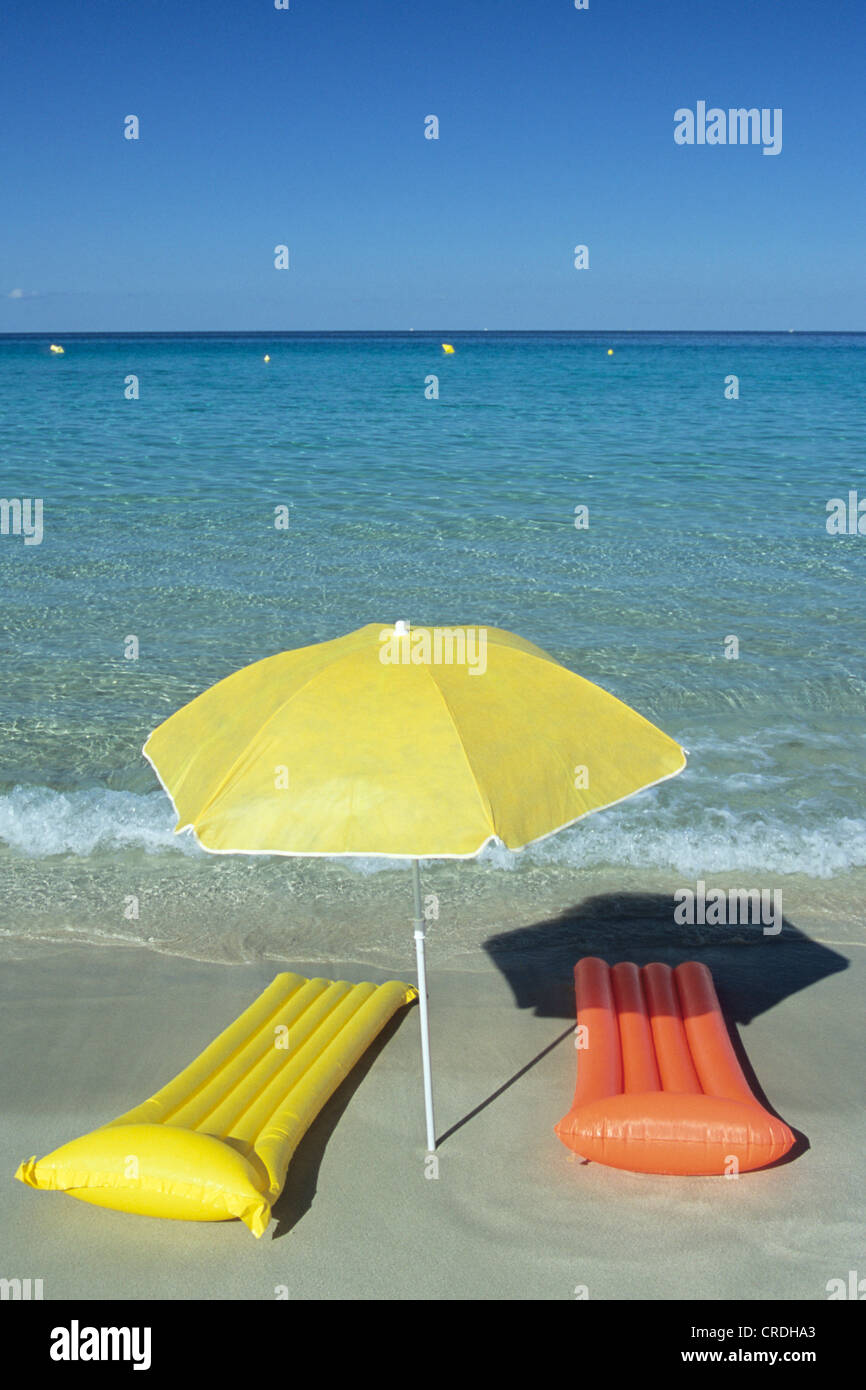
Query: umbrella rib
616	699
485	803
217	792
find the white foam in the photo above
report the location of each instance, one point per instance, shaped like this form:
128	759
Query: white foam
37	821
650	831
709	841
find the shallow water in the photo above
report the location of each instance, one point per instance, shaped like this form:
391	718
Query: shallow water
706	521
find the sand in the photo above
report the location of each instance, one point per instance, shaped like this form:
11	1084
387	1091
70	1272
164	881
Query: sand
89	1031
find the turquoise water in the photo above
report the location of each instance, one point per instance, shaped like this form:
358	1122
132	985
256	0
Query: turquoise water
706	521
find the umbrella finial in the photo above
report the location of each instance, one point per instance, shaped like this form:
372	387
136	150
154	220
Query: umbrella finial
401	628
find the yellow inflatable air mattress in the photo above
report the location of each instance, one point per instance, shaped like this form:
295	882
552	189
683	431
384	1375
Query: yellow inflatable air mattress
216	1142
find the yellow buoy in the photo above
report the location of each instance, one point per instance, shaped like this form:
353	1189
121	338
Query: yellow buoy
266	357
55	347
610	352
446	347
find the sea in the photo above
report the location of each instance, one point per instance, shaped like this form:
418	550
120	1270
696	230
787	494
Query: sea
659	511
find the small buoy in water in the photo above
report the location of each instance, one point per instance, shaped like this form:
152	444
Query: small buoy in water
266	357
610	352
55	347
446	347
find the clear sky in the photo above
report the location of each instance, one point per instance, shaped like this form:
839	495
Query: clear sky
305	127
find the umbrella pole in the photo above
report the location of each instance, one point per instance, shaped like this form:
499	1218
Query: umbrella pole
418	924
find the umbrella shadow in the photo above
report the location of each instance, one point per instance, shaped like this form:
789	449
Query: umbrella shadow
506	1085
752	972
302	1179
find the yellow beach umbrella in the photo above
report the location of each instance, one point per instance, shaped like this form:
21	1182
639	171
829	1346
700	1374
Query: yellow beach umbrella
403	742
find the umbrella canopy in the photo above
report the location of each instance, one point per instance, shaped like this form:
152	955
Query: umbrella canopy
409	743
427	742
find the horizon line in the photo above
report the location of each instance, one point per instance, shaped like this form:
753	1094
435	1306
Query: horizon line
434	332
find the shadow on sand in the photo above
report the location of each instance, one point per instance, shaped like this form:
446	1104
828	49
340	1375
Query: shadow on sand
752	974
299	1191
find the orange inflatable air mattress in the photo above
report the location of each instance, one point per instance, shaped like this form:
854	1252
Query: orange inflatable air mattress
659	1087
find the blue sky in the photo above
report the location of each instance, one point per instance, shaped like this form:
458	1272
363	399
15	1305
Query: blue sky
306	127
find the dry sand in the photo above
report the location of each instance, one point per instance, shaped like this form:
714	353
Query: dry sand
88	1032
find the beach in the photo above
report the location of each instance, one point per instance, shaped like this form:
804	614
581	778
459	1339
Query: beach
706	592
512	1214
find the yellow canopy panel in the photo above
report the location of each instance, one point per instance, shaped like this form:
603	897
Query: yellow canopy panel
426	744
216	1142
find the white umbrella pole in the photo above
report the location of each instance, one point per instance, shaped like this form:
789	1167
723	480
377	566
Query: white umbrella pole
418	924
